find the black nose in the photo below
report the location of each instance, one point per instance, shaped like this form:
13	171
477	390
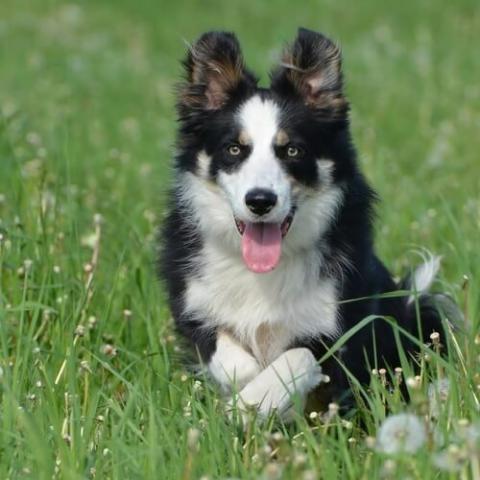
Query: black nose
260	201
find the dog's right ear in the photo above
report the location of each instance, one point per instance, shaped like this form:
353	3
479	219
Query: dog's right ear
215	70
311	71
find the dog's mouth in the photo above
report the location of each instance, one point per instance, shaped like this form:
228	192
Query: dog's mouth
262	243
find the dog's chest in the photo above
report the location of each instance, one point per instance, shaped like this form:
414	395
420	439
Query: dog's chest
266	312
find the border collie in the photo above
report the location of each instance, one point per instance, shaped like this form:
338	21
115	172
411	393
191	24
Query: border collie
267	250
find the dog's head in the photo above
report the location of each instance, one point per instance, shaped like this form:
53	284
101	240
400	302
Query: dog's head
265	166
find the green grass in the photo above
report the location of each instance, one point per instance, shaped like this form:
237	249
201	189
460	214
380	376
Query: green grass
87	127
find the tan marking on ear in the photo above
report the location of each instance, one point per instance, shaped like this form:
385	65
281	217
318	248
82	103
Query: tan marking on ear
281	138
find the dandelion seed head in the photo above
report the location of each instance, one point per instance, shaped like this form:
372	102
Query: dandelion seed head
435	338
277	437
193	437
438	392
403	432
109	350
273	471
370	442
97	219
333	409
389	467
80	331
299	460
92	322
309	475
313	415
452	459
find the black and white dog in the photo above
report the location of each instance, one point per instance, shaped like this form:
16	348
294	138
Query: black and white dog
269	231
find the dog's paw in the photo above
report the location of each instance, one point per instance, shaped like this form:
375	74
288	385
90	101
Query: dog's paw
294	373
233	371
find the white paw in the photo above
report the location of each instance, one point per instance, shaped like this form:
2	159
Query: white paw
232	367
295	372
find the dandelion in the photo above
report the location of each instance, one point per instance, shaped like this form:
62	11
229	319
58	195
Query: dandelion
435	338
403	432
277	437
92	322
272	471
127	314
370	442
310	475
193	437
56	269
85	366
97	219
438	392
313	415
299	460
470	434
88	268
109	350
450	460
80	331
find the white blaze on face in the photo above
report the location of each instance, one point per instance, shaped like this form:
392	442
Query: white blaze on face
262	238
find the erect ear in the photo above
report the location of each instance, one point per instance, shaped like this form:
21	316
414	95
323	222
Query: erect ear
215	69
311	69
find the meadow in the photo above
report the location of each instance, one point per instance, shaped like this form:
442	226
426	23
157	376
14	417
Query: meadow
92	383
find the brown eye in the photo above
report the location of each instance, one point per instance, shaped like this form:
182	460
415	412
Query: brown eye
234	150
293	152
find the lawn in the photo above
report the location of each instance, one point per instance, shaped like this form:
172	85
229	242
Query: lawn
91	379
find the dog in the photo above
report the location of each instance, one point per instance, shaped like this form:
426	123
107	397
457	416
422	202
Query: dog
267	250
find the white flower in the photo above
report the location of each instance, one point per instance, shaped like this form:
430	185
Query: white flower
451	459
401	433
438	392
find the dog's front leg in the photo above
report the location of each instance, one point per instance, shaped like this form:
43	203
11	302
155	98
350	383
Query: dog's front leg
296	371
231	365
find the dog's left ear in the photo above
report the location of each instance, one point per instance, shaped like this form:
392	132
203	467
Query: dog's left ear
215	70
311	69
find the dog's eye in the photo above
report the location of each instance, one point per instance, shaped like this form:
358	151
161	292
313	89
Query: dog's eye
293	151
234	150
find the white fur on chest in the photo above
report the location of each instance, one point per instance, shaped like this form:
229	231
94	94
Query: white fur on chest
265	312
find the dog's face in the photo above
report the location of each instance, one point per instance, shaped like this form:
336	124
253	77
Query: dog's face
268	161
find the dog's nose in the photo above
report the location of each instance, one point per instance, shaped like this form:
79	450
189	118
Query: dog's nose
260	201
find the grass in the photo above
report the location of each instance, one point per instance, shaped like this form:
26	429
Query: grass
91	379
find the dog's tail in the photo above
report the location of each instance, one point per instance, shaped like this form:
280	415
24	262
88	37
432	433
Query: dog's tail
425	310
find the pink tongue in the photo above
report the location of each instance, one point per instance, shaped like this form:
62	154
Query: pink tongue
261	246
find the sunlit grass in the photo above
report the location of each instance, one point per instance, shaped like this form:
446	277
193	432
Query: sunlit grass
91	379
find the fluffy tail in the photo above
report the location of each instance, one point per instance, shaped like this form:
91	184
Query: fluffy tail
432	307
